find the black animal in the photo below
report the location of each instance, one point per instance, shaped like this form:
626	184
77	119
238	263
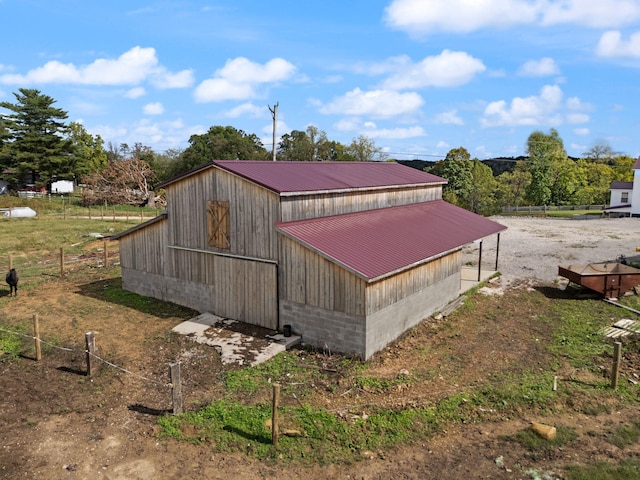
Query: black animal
12	280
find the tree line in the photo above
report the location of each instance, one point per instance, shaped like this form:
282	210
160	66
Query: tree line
545	176
38	147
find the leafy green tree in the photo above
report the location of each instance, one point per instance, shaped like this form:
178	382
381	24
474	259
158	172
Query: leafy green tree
38	142
295	147
544	151
480	197
513	186
165	165
623	167
221	143
457	169
89	152
566	179
364	149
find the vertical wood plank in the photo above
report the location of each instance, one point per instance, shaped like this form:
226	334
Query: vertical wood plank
176	387
36	337
90	351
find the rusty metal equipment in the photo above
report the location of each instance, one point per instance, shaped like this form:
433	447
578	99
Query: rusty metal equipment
611	279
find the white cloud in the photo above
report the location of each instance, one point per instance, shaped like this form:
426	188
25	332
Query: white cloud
539	68
242	70
591	13
426	16
449	118
238	79
611	44
442	145
582	132
347	125
154	108
246	109
448	69
534	110
162	135
135	92
164	79
219	89
376	103
420	17
389	65
577	118
396	133
131	68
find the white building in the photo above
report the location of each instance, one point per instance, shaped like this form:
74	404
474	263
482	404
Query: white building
625	199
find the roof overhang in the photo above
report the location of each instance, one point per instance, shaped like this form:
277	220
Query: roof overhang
377	244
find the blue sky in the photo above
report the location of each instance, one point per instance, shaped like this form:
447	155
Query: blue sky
419	77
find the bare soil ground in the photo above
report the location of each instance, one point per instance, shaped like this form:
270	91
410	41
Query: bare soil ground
56	423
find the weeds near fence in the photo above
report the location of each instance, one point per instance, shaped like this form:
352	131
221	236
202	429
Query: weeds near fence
12	345
355	428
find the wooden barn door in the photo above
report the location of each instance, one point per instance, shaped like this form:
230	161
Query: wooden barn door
261	294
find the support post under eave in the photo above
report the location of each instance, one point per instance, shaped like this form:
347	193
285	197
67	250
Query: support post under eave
480	262
497	251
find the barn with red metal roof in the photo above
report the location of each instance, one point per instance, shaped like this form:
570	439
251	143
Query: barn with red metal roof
348	255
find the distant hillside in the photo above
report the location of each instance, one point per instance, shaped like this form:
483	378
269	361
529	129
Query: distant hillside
417	164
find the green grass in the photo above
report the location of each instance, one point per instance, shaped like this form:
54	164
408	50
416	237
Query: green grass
321	437
535	443
236	422
627	469
13	345
625	435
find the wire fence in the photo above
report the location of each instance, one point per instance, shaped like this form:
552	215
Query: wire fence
91	356
551	208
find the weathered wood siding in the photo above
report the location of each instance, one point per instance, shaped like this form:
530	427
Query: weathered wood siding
302	207
253	213
307	278
144	249
393	289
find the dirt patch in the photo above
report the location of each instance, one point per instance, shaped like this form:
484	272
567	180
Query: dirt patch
57	423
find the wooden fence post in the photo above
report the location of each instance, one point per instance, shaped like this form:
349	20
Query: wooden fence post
275	427
101	212
64	209
89	208
10	261
36	337
62	261
90	343
176	387
114	213
106	255
617	360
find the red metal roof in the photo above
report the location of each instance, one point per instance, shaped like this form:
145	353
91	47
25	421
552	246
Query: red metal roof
290	177
636	165
377	243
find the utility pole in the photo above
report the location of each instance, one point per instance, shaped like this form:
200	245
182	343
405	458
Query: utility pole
274	114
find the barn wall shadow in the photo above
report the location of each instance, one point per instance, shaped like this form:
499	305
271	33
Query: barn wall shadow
111	291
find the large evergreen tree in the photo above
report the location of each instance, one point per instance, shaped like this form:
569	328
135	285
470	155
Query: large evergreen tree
37	148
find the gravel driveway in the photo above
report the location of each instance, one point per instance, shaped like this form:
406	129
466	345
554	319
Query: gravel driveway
535	247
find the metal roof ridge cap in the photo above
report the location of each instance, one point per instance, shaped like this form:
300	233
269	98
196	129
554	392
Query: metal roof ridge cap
244	177
360	189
